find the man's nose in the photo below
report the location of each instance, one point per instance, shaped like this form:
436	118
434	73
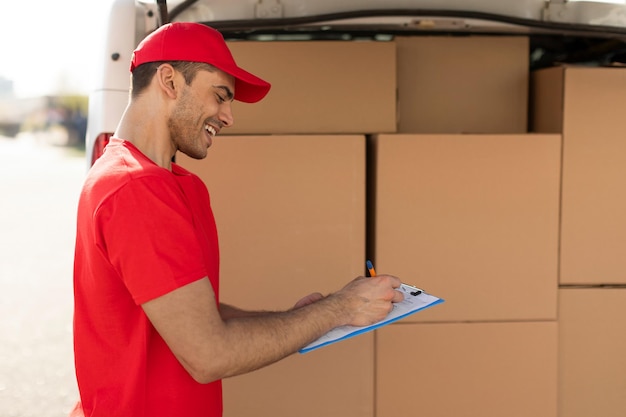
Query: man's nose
226	114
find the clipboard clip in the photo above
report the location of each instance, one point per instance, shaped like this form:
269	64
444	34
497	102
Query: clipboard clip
413	290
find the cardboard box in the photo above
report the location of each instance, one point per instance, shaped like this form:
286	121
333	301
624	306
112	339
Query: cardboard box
334	381
473	219
467	369
587	105
290	212
319	87
474	84
592	342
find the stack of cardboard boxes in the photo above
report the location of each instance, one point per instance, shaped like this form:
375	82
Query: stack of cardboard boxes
587	106
288	189
467	207
416	152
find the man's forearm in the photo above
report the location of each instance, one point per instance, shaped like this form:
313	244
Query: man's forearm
228	311
262	338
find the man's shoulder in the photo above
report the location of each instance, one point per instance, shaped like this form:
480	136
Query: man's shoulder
123	162
121	167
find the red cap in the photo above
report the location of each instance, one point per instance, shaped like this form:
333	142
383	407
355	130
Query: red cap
195	42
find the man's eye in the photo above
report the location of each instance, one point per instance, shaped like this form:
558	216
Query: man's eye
220	99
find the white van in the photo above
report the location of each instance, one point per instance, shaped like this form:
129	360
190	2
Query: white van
484	223
560	31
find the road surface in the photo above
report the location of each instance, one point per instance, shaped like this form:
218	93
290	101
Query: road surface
39	186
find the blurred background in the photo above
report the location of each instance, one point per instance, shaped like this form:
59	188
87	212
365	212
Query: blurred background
47	52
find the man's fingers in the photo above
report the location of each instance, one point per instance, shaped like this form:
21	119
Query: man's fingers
397	297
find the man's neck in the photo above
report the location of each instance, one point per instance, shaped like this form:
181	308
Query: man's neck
148	132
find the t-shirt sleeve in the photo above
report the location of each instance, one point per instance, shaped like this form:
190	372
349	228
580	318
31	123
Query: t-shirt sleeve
146	230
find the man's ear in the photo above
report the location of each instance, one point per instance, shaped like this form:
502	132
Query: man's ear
166	80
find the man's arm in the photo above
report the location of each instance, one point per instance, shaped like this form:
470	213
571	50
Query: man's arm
228	311
212	347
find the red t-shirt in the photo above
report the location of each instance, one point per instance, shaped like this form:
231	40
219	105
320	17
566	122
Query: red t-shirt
143	231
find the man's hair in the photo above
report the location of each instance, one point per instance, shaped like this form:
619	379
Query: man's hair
142	75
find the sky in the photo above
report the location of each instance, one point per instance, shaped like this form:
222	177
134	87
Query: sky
47	46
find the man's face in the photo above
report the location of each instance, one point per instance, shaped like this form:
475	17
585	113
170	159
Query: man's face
202	110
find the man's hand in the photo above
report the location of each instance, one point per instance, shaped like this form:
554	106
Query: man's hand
369	300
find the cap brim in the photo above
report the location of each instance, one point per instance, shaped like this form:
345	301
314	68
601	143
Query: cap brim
248	87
